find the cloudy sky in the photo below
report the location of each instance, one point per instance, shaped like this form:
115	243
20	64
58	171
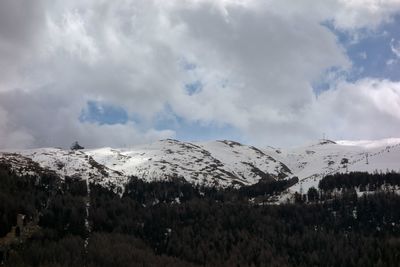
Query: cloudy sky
263	72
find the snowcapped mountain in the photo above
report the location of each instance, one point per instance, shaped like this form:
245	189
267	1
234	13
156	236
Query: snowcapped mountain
220	163
72	163
217	163
312	162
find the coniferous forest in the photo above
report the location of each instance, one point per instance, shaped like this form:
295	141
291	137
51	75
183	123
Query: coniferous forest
173	223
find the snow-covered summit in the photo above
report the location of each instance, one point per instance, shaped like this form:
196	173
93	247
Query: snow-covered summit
312	162
216	163
221	163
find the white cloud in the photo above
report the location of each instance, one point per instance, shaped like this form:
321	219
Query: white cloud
10	137
21	27
395	47
352	14
51	119
255	59
391	62
368	108
71	36
363	55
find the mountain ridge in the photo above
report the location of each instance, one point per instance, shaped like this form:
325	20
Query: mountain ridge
215	163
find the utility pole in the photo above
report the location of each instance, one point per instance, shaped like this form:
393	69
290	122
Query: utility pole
366	158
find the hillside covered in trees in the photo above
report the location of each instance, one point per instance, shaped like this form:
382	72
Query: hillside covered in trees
173	223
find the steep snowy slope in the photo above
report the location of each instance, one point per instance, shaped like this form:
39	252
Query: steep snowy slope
220	163
247	162
217	163
311	163
63	163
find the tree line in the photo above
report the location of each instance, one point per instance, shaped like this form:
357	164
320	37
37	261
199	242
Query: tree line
361	180
173	223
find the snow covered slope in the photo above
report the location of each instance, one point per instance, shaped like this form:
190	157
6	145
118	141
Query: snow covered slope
312	162
217	163
63	163
220	163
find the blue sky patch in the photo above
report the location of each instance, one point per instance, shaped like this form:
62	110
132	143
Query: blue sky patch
102	113
325	82
194	87
186	65
371	53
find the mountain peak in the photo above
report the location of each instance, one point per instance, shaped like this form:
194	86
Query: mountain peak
326	142
218	163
